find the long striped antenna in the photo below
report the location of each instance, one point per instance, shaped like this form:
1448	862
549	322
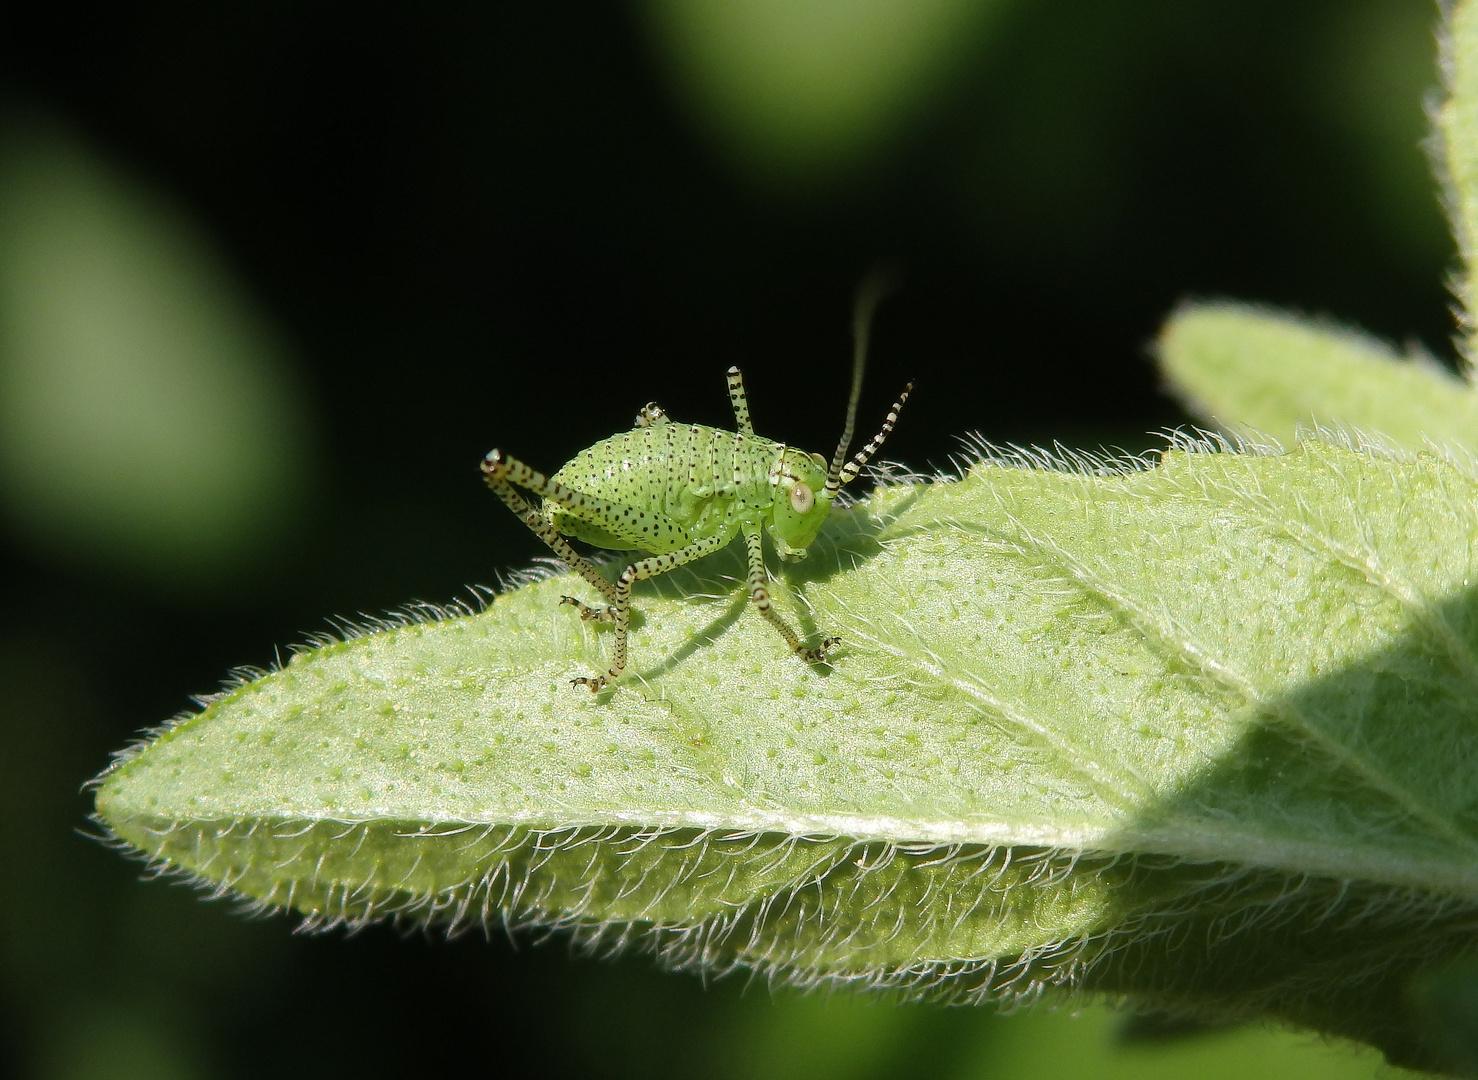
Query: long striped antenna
876	286
853	467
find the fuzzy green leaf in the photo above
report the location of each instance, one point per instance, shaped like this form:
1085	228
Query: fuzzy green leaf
1201	732
1457	150
1240	366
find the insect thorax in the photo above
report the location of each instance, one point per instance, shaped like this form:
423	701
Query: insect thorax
683	482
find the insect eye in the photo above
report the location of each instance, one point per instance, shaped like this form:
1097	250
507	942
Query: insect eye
802	499
819	460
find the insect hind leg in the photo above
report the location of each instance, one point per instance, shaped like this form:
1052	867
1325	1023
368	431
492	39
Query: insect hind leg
502	471
759	595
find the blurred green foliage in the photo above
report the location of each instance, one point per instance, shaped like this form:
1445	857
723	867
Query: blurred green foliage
1447	1000
798	93
148	423
1377	66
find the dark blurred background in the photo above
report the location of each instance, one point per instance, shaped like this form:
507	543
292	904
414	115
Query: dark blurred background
274	276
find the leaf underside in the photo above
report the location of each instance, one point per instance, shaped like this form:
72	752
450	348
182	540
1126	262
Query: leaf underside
1199	731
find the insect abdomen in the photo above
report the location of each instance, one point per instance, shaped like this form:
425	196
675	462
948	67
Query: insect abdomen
679	478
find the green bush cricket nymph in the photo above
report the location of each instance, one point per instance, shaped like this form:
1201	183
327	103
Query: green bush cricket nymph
682	491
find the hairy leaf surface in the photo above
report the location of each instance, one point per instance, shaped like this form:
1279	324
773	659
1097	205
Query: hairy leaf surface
1203	732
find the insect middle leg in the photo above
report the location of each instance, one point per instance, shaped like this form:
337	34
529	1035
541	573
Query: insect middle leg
740	400
621	609
759	593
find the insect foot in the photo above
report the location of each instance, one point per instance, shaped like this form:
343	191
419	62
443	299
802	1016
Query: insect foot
650	416
588	613
821	655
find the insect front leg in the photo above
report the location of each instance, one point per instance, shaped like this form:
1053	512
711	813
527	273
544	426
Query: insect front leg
640	571
759	593
502	472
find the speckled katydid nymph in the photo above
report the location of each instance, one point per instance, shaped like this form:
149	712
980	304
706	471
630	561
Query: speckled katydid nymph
681	491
